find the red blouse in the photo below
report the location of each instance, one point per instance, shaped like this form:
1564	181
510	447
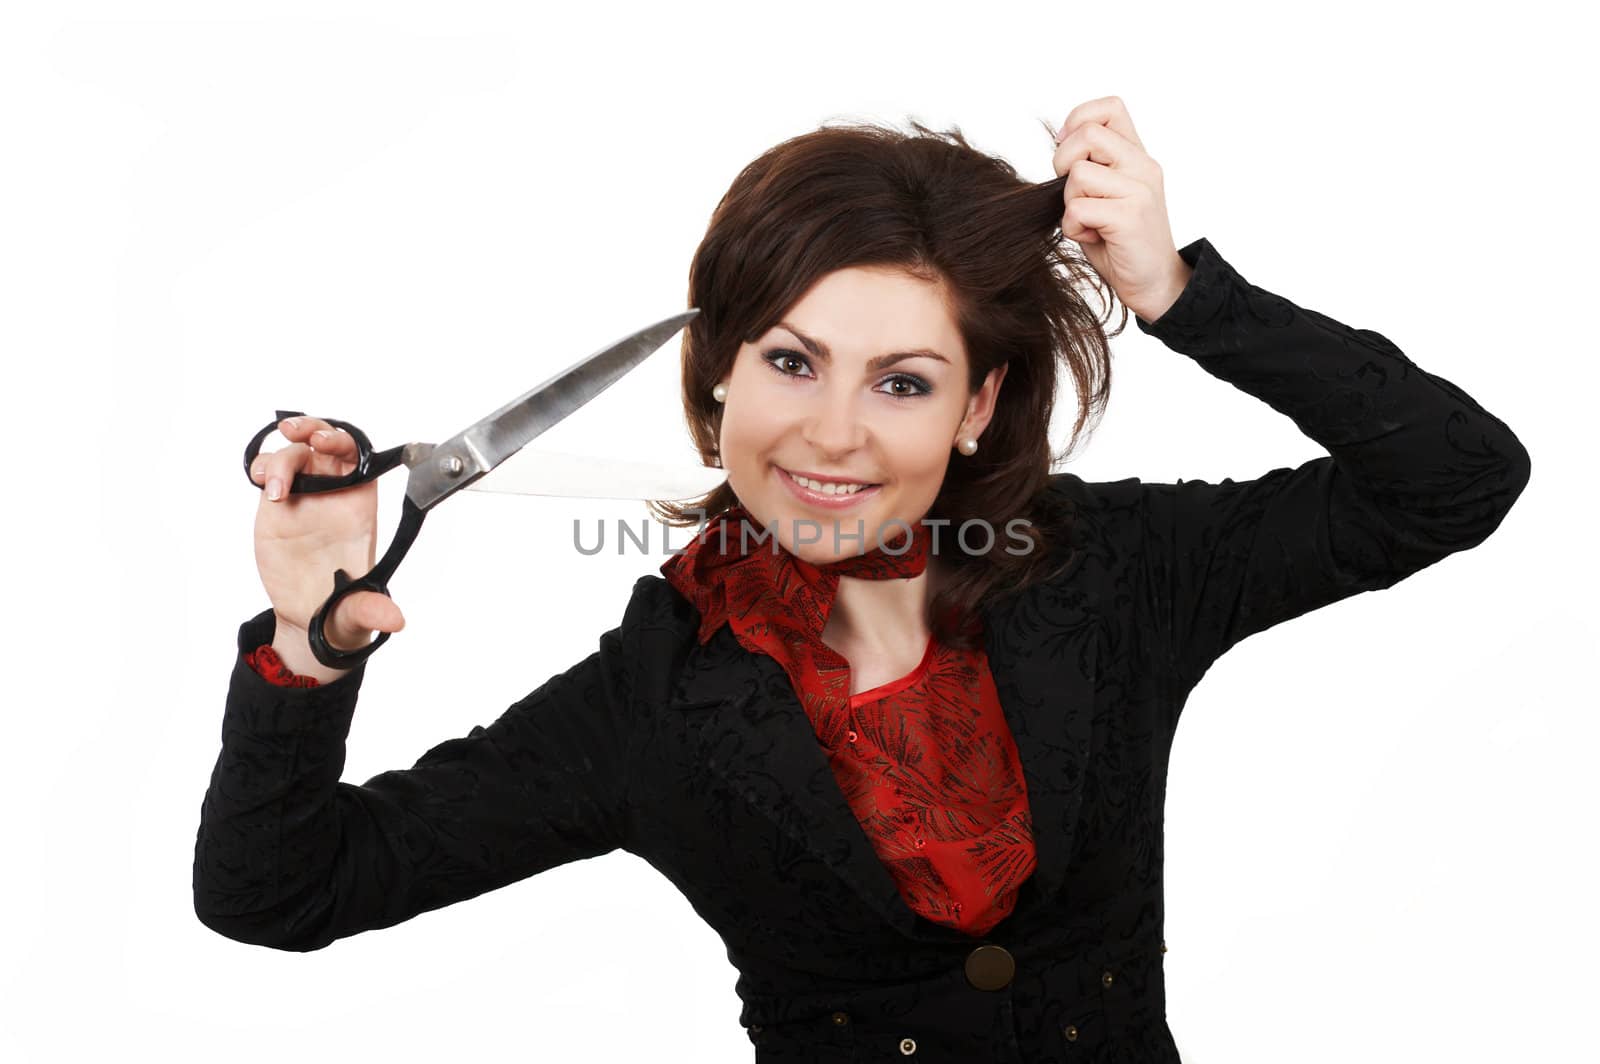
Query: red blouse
926	761
266	661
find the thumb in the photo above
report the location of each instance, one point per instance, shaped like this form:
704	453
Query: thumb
362	613
378	611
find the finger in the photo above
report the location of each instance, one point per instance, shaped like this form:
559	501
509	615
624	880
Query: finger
1108	111
1087	213
325	440
332	441
263	466
299	427
1089	178
279	469
316	462
1102	145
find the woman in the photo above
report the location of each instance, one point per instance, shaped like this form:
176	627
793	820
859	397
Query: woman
914	780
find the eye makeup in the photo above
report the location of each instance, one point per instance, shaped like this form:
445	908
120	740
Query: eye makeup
780	354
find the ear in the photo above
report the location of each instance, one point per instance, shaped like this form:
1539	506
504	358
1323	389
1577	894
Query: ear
980	408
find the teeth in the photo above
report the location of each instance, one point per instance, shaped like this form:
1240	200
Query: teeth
828	487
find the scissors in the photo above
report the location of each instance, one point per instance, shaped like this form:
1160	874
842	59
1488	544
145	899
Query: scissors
438	471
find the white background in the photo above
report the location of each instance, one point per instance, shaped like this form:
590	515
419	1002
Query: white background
404	214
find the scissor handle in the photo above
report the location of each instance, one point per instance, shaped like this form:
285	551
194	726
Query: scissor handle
369	464
377	580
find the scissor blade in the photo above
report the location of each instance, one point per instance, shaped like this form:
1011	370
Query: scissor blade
468	455
577	476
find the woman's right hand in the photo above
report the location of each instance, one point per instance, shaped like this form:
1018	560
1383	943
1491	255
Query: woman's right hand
301	539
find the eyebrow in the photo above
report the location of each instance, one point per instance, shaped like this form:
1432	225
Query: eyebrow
820	350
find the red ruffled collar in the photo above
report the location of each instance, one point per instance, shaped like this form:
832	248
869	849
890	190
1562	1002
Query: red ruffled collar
751	581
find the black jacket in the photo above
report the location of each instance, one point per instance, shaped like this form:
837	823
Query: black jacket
701	761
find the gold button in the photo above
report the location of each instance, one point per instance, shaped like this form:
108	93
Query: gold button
1071	1032
908	1046
755	1028
1105	978
1163	947
990	967
841	1018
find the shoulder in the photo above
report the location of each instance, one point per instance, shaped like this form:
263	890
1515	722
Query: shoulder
658	622
1094	531
659	630
1096	495
656	607
1095	511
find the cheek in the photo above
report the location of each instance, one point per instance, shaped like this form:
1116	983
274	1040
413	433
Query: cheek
747	436
920	443
738	428
918	462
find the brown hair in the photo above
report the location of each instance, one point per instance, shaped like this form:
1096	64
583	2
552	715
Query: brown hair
929	203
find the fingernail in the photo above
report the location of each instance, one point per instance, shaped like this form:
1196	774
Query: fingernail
288	423
321	434
274	488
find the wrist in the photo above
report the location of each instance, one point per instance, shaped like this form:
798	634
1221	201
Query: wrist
1152	308
293	644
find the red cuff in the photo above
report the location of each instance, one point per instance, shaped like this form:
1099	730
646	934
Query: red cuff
268	664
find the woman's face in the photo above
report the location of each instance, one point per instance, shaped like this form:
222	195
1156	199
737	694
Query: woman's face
864	381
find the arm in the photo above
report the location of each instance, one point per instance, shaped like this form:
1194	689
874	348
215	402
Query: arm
1416	470
287	856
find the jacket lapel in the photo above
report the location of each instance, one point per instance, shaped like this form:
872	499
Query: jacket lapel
1042	648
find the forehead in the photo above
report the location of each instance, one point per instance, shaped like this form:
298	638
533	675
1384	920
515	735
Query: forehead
863	311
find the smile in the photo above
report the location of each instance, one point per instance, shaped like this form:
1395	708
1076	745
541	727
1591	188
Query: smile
825	493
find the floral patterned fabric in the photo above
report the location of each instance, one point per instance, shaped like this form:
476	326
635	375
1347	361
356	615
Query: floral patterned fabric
269	665
926	761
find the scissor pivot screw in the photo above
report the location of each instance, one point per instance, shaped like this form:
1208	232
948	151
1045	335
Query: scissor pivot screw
450	465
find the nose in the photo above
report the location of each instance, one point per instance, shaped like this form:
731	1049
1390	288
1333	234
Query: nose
834	429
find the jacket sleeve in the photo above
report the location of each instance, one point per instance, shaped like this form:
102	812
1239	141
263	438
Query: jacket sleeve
289	857
1416	470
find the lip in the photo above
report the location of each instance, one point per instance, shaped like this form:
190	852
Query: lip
818	476
826	502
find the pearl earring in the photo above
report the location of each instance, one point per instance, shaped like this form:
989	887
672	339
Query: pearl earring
967	445
720	393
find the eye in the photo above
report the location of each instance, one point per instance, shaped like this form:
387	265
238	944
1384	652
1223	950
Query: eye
777	358
922	386
773	358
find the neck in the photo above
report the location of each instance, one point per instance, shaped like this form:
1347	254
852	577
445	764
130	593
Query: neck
882	614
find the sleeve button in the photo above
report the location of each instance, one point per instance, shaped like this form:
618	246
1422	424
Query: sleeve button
841	1018
908	1046
1070	1032
1105	979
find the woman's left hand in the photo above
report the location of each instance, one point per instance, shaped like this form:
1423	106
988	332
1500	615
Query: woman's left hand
1116	208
